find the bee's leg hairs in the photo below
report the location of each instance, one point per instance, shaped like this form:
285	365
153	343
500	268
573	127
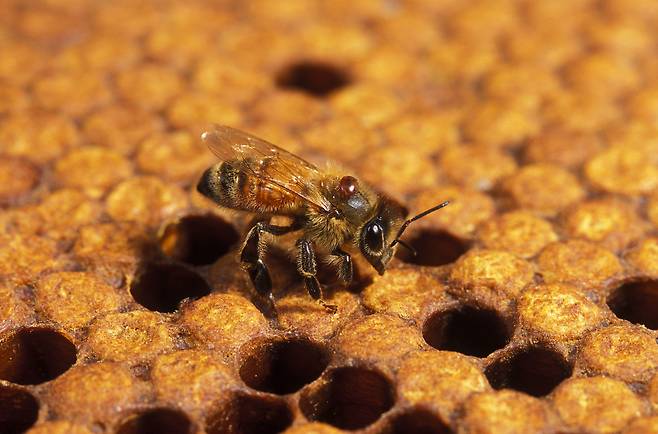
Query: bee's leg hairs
345	267
307	268
251	256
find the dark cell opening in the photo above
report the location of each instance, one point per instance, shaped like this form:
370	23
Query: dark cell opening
198	239
35	355
19	410
283	366
250	414
636	302
351	399
162	287
157	421
315	78
534	370
418	421
434	248
467	330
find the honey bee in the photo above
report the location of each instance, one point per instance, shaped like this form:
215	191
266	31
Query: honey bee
332	212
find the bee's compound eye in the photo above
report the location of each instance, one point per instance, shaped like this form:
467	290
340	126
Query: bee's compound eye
347	186
374	237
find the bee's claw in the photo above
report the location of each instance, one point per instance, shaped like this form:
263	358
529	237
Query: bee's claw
330	308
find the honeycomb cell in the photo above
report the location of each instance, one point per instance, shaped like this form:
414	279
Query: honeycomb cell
440	380
223	321
22	257
506	412
613	223
578	262
298	312
120	127
131	336
293	109
17	178
499	124
350	398
250	414
314	78
163	287
402	292
145	199
460	329
195	111
56	134
371	105
558	311
432	248
615	75
564	148
34	355
428	132
379	338
156	420
92	169
478	168
192	379
624	170
636	301
518	232
417	420
73	93
644	257
398	171
624	352
64	210
198	239
176	156
282	366
534	370
19	409
494	269
542	188
149	86
74	298
466	211
596	404
95	392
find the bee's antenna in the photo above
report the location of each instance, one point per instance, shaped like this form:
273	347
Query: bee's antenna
413	219
407	246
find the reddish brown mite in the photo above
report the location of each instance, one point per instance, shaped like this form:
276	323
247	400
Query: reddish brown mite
332	212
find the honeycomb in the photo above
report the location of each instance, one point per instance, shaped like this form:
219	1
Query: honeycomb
531	307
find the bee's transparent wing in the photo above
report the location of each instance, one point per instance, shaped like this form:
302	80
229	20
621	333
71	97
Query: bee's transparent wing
268	163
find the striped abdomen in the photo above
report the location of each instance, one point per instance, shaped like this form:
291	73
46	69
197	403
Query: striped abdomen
232	185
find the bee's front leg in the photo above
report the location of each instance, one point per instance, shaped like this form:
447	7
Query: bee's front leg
252	253
345	267
307	268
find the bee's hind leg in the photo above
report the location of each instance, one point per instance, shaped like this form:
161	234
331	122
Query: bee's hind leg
251	256
307	268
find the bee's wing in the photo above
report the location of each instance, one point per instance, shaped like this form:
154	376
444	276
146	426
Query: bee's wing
268	163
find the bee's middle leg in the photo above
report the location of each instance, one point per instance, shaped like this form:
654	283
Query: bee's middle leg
307	268
251	256
345	267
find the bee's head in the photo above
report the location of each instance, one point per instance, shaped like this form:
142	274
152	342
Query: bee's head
381	234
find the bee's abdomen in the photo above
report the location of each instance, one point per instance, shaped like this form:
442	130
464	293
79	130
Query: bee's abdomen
220	183
230	185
